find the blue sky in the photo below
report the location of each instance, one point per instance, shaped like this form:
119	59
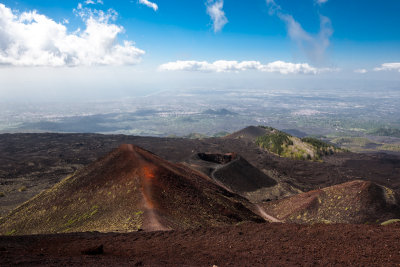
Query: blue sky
159	38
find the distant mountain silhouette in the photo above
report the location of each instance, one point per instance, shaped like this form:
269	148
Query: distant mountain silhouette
249	133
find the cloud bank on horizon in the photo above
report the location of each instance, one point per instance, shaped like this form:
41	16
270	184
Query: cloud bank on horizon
235	66
361	71
394	66
32	39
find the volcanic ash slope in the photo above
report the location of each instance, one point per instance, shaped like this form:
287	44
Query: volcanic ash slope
352	202
127	190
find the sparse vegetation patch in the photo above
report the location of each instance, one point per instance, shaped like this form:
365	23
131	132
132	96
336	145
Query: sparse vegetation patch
22	189
275	142
286	145
390	221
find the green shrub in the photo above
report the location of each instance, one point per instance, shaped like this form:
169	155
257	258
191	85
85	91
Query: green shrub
390	221
321	147
267	127
22	189
316	142
12	232
274	142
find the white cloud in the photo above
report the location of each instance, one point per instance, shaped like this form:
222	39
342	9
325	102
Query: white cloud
91	2
235	66
388	67
294	68
88	13
152	5
32	39
361	71
320	2
313	45
217	15
273	7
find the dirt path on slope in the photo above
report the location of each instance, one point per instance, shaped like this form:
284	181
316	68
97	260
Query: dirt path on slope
151	221
261	211
218	167
266	216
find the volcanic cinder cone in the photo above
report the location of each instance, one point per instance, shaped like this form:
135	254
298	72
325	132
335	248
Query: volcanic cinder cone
235	173
352	202
128	190
249	133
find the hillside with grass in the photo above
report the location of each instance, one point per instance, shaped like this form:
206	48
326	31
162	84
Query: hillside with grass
286	145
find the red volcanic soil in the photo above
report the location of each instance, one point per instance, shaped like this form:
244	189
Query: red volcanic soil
245	245
128	190
352	202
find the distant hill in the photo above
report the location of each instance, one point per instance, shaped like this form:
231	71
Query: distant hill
202	136
393	132
352	202
286	145
127	190
249	133
363	144
221	134
195	136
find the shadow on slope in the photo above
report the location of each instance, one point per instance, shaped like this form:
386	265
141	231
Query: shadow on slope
234	173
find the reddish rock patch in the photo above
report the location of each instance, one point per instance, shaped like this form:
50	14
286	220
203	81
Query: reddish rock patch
352	202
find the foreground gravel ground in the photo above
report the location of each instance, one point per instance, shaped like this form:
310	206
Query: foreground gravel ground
263	244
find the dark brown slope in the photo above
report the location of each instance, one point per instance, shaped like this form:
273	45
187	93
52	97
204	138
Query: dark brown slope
38	161
352	202
249	133
127	190
235	173
242	177
243	245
